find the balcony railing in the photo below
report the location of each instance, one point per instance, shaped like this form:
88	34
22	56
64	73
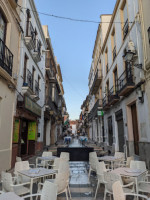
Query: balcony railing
105	103
113	95
125	29
38	47
37	89
30	31
29	82
97	81
96	107
125	82
6	58
114	53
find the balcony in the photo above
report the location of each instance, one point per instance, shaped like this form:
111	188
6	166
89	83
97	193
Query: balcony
106	105
27	87
37	90
113	96
6	58
125	29
37	51
30	36
125	83
97	81
49	68
97	106
114	53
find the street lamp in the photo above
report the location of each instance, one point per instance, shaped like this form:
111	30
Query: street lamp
128	56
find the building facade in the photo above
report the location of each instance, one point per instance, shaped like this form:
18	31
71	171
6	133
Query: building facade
9	67
29	115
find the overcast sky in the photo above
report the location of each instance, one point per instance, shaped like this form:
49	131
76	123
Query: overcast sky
73	43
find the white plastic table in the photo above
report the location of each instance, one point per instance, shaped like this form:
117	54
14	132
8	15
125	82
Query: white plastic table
45	158
130	173
36	173
110	159
10	196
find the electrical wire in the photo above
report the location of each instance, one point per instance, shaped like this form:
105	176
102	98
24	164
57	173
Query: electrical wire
71	19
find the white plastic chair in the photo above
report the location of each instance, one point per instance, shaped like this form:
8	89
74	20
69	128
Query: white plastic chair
44	163
55	165
65	155
8	184
135	164
119	194
100	169
110	178
120	159
49	192
18	159
93	164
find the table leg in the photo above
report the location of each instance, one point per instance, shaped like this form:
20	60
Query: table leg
137	191
31	187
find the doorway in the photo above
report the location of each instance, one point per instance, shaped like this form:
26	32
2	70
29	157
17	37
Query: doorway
135	128
121	140
24	138
110	131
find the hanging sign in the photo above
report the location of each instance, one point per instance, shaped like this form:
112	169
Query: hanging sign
32	130
100	113
16	131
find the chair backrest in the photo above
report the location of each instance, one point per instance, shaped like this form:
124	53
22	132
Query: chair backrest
134	164
7	182
61	181
49	191
93	163
22	165
110	178
56	163
47	154
18	159
92	154
129	161
65	155
63	166
119	155
100	169
118	193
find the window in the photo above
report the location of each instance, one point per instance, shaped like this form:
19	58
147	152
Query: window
124	19
33	75
115	80
2	27
113	43
25	68
106	60
107	88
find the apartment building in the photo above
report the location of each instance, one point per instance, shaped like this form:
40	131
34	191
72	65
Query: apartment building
95	84
9	67
29	115
125	118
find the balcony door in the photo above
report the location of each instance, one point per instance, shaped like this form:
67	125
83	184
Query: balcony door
2	27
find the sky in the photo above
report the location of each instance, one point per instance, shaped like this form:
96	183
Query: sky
73	43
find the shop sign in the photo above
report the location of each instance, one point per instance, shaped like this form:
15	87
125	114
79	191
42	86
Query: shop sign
32	131
16	131
32	106
100	113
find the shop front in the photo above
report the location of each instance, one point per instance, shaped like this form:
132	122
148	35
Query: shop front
25	130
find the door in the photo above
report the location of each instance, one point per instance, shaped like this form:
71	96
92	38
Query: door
121	135
110	131
135	129
24	135
120	124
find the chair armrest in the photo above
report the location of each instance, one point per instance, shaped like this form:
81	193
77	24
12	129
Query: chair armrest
128	185
136	195
31	195
32	165
22	184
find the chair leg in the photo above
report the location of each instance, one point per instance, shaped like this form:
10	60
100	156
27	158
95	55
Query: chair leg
69	192
97	189
105	195
66	194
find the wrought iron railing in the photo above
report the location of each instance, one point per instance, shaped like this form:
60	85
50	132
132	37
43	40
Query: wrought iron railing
30	32
114	53
113	92
125	79
37	89
105	101
29	82
125	29
6	58
38	47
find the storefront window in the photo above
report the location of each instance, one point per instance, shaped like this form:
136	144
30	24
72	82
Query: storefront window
2	27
